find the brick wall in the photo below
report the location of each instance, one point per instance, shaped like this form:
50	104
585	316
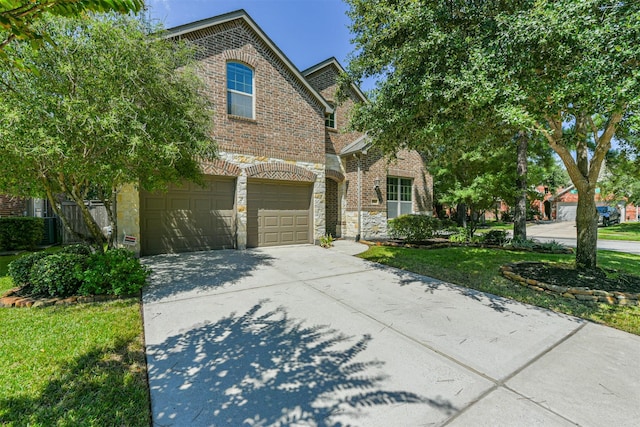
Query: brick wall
289	120
12	206
332	206
324	81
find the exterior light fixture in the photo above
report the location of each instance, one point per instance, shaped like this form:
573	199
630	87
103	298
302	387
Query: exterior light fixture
376	183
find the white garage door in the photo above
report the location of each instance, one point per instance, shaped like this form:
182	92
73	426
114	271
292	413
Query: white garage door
566	211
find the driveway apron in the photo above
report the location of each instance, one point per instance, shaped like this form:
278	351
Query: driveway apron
305	336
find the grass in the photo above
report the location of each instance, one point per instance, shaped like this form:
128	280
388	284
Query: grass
625	231
478	268
72	365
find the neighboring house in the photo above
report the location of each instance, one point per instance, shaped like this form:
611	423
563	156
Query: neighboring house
12	206
287	172
564	205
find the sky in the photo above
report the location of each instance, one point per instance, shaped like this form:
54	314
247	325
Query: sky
307	31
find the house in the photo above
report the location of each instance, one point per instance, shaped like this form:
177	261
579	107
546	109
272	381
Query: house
288	172
12	206
564	205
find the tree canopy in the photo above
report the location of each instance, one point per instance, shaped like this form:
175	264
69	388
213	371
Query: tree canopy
566	70
17	17
106	106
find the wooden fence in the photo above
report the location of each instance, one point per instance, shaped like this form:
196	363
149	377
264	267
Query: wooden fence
73	214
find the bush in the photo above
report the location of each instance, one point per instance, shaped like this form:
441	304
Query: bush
461	235
57	275
413	228
495	237
115	272
20	232
78	249
20	269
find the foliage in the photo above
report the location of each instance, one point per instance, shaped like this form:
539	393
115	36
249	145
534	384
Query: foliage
461	235
623	177
20	232
326	241
57	275
78	249
566	71
106	106
495	237
114	272
17	17
20	269
414	228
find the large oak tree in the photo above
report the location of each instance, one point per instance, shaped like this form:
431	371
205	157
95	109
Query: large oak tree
567	70
108	105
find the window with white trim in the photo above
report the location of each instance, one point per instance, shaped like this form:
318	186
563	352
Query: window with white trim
330	119
239	90
399	196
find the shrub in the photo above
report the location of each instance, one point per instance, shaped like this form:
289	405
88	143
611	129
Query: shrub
57	275
523	244
413	228
326	241
460	235
495	237
78	249
20	269
114	272
20	232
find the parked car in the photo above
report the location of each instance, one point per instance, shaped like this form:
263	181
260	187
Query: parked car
608	215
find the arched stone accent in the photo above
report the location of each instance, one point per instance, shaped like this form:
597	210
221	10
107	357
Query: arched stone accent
220	167
280	171
335	175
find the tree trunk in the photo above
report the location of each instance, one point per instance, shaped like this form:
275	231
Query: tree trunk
520	208
461	215
587	225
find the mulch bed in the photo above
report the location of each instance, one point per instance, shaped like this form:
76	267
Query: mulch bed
600	278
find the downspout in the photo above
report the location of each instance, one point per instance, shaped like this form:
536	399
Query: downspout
359	196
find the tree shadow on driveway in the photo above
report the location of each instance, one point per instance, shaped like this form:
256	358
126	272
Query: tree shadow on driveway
199	271
262	368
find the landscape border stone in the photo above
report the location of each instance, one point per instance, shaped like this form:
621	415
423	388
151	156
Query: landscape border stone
579	293
11	299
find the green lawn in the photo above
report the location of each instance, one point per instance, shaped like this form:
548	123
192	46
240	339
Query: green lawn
72	365
478	268
624	231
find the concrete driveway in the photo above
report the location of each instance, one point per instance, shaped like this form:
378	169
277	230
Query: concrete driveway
304	336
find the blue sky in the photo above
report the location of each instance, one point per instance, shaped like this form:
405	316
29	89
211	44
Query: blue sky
307	31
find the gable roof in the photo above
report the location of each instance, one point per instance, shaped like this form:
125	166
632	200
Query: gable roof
360	145
243	15
334	62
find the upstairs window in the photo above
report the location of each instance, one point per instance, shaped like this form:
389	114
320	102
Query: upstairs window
399	201
330	119
239	90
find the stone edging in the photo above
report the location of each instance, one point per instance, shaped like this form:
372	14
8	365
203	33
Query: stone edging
579	293
11	299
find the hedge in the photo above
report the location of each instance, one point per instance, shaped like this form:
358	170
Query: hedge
20	232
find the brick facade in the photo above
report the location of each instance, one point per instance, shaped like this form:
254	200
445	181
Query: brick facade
12	206
286	139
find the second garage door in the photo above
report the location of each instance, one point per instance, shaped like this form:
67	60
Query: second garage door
278	213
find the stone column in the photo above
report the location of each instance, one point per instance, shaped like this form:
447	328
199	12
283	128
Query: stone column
241	212
128	216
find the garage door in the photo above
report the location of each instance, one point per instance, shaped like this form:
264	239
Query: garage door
188	217
278	213
566	211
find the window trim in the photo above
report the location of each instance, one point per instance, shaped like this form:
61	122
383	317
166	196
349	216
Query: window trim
331	117
397	181
235	91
